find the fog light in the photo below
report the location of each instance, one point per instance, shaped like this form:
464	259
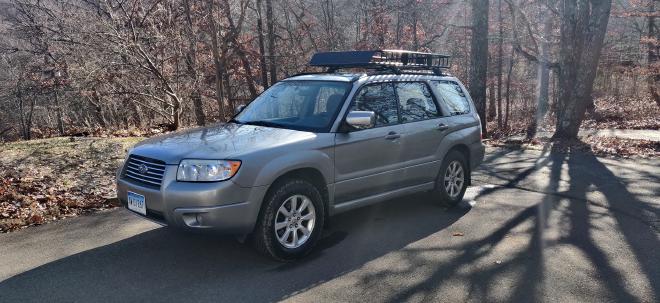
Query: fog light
193	219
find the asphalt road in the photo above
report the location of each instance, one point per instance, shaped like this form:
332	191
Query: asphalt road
535	226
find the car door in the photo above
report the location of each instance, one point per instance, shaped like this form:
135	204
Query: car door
425	129
369	161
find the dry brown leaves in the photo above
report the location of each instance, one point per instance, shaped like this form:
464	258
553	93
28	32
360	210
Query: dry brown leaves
611	113
50	179
34	201
599	146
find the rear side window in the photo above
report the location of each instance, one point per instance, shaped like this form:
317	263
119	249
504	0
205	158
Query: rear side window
416	101
453	96
380	99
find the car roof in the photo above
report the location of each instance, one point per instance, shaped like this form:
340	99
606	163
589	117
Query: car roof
346	77
341	77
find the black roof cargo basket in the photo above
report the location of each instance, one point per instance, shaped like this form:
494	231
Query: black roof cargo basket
389	60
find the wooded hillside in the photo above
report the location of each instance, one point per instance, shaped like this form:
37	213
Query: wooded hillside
106	66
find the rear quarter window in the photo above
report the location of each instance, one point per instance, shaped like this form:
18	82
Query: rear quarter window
453	96
415	101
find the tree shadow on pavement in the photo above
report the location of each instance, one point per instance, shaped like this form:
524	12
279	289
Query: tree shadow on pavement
528	260
635	220
164	265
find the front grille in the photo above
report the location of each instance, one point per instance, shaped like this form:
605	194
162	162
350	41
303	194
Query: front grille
135	170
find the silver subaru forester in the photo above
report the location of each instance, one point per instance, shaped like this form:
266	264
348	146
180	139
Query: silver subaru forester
312	146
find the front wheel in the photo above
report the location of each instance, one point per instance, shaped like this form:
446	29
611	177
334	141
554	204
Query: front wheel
452	179
291	221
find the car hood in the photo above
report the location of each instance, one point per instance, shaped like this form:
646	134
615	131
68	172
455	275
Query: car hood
222	141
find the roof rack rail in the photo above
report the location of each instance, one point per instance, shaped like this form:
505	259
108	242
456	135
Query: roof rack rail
396	61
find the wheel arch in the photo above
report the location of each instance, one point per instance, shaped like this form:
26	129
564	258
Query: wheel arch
465	150
311	174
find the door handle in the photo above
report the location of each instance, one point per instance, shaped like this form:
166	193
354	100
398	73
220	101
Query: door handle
442	127
392	136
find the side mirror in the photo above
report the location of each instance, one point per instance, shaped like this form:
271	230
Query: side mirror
361	119
239	109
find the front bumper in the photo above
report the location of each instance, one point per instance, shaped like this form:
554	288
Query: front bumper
223	207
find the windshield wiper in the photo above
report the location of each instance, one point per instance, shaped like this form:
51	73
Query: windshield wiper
263	123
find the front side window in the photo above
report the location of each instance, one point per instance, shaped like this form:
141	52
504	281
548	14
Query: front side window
379	98
302	105
453	96
415	101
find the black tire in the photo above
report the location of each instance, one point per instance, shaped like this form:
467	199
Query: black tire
440	192
264	237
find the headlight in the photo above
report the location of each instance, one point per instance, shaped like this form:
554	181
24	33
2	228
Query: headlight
191	170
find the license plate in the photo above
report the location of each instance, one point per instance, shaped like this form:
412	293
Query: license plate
137	203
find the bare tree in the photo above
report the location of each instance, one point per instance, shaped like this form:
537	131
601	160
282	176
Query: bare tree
191	64
500	59
583	26
543	65
653	52
153	64
218	61
479	58
262	50
270	24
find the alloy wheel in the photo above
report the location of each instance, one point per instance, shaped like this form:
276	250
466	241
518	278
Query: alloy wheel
294	221
454	179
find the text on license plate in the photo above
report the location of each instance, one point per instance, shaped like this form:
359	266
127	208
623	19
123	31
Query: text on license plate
137	203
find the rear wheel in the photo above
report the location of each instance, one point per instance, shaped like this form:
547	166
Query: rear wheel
452	179
291	221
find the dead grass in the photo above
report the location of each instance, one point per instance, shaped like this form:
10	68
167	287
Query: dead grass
49	179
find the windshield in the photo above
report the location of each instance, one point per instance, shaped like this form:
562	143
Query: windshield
301	105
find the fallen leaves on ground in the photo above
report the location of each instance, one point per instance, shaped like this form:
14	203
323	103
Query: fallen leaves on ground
50	179
599	146
610	113
34	201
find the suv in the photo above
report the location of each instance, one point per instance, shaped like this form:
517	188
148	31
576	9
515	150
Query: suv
312	146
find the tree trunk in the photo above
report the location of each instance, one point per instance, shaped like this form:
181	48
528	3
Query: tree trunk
262	49
26	119
492	108
583	26
653	54
176	114
228	91
414	27
235	30
543	72
219	67
191	64
95	101
271	40
491	93
500	59
510	70
58	111
508	88
479	58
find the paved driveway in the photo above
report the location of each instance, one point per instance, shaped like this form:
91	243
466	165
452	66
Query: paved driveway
534	227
